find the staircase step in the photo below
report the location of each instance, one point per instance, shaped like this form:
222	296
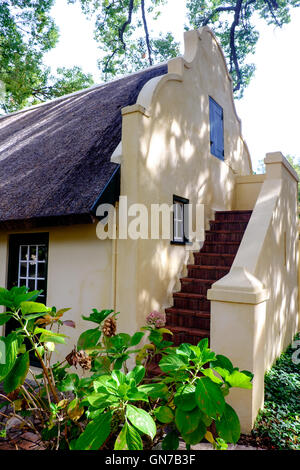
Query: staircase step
188	301
188	318
221	248
207	272
229	216
214	259
195	285
187	335
224	236
228	225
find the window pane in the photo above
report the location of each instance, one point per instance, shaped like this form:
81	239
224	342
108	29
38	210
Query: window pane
42	252
24	252
23	269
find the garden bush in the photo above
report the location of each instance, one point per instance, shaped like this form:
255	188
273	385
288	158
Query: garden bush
110	406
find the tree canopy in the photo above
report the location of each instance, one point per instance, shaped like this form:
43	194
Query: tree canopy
122	30
27	32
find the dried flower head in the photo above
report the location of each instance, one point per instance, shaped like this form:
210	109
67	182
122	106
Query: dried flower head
79	357
156	319
109	327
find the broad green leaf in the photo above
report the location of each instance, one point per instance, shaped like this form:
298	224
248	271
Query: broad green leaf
141	420
97	317
4	319
137	373
209	397
8	351
48	335
184	398
172	363
33	307
69	383
185	350
95	434
134	394
171	441
12	298
18	373
196	436
209	373
88	339
223	362
228	426
102	381
128	439
238	379
203	344
136	338
154	390
164	414
187	421
118	377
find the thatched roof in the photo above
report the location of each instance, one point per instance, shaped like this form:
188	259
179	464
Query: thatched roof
55	158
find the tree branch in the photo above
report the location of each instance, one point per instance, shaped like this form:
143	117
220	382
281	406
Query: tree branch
233	54
146	32
125	24
216	10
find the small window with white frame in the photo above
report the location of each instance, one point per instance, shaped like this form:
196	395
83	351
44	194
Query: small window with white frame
179	220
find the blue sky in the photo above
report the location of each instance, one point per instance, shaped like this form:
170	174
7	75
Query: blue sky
270	108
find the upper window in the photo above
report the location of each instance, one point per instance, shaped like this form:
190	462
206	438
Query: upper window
180	220
216	129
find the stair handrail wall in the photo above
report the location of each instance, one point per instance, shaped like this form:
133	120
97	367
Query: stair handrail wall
254	308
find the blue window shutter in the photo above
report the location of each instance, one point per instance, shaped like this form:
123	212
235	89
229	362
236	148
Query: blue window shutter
216	129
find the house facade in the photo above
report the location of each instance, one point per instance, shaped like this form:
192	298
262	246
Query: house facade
169	135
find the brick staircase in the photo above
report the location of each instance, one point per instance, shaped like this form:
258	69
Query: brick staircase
189	318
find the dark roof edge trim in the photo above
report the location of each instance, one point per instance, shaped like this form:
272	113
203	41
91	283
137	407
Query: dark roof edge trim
110	193
47	221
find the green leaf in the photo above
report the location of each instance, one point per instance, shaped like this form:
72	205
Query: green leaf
98	317
172	363
184	398
196	436
95	434
164	414
9	349
136	338
209	373
154	390
18	373
128	439
33	307
228	426
203	344
141	420
187	421
69	383
223	362
239	379
171	441
209	397
49	336
88	339
4	319
137	373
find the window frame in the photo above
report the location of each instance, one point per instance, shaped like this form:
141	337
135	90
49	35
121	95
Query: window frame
182	201
219	125
15	241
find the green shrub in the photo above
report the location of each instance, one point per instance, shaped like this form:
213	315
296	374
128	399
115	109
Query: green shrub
280	418
112	407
